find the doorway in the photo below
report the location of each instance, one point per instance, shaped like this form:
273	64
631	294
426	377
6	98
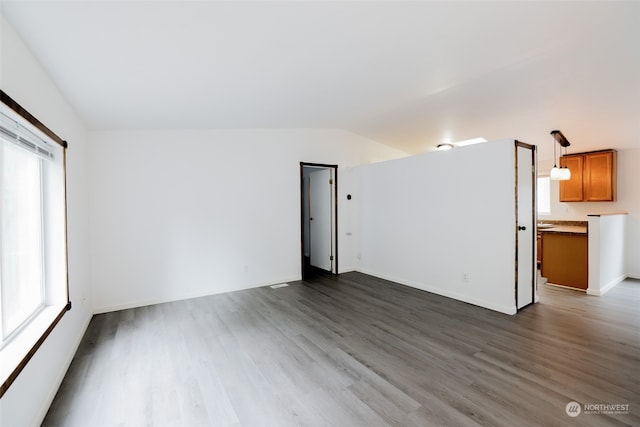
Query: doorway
525	224
319	219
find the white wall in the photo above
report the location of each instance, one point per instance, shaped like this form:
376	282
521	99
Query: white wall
178	214
606	252
428	220
350	240
25	403
628	201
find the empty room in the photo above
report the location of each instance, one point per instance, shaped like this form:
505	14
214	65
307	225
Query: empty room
319	213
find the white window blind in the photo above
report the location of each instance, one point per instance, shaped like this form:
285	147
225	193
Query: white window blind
12	131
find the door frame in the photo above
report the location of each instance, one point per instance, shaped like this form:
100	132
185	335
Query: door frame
534	216
335	212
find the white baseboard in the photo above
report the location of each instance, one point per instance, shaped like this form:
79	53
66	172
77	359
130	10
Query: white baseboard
446	293
153	301
606	288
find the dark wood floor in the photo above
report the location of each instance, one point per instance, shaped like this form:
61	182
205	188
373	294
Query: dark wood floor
356	351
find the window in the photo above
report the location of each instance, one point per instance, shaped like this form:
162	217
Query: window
21	277
544	195
33	260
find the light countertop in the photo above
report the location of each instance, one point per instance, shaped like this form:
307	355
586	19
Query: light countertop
564	229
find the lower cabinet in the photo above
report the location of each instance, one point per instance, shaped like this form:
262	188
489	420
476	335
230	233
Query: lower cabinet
565	259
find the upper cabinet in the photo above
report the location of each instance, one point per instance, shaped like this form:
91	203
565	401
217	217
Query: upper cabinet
572	190
593	177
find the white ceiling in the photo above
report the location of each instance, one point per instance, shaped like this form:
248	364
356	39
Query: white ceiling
407	74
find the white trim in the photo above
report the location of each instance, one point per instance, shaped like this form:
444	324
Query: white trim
571	288
435	290
154	301
606	288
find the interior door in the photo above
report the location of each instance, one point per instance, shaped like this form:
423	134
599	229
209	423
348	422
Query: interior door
525	262
320	219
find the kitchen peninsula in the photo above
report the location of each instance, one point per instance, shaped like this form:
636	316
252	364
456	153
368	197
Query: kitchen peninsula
584	255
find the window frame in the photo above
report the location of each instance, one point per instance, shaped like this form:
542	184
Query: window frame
41	324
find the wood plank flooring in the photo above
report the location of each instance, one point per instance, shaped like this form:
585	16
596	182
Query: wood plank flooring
356	351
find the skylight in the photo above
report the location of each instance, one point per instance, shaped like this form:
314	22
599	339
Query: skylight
469	142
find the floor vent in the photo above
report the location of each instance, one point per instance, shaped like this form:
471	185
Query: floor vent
281	285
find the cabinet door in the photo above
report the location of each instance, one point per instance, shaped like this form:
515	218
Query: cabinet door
565	259
599	177
572	189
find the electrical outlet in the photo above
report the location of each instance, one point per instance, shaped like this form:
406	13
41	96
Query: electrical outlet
465	277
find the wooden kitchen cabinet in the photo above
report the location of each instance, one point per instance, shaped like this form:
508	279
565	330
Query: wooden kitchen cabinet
600	176
565	259
539	249
593	177
572	190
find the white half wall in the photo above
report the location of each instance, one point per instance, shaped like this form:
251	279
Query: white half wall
21	76
180	214
444	222
606	252
628	201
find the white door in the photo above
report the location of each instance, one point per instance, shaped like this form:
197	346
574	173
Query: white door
526	263
320	218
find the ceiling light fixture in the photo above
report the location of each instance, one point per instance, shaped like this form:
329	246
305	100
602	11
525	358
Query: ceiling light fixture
449	145
559	174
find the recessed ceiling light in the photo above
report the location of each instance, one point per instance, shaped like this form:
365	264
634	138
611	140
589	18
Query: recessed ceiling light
444	147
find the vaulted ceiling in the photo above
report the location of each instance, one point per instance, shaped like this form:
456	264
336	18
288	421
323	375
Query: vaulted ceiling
406	74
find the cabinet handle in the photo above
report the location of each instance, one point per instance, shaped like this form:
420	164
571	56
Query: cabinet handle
522	227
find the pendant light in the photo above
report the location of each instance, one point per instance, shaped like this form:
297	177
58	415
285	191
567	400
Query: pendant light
559	174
